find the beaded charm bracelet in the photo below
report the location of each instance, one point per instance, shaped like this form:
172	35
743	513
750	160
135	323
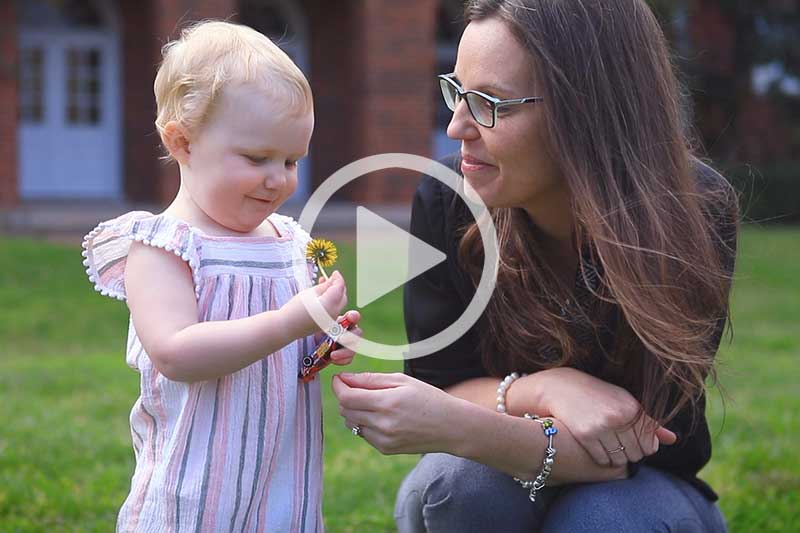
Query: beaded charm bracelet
547	463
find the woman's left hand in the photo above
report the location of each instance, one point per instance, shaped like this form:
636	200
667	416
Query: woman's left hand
397	413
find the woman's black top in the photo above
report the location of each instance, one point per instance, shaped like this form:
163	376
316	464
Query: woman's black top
436	298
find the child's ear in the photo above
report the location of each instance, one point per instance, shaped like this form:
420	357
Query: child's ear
176	139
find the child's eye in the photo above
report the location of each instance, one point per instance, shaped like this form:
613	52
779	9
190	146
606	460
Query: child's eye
291	164
256	159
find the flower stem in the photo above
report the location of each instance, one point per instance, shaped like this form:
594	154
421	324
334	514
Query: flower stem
324	275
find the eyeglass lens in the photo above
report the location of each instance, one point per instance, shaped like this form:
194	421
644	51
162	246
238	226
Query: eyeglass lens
480	108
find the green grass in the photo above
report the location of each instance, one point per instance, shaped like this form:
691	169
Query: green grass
65	395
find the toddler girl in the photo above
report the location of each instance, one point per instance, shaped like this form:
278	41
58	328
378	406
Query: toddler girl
226	437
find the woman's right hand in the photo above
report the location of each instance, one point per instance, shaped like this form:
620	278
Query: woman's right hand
331	294
397	413
602	417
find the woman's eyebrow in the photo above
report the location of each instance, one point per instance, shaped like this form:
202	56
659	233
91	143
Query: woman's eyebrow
489	88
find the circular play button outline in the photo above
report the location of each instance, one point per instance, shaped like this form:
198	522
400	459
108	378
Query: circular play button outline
485	224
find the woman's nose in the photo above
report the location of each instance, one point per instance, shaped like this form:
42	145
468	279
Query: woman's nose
462	126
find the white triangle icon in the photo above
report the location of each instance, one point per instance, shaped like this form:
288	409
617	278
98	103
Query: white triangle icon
382	256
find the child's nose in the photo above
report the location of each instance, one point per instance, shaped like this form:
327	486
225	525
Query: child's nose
275	177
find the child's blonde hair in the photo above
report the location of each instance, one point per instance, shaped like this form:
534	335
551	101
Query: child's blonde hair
212	54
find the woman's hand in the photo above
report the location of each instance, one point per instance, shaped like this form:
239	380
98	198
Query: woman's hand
603	418
397	413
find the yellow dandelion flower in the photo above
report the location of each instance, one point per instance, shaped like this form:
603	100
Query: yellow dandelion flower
323	253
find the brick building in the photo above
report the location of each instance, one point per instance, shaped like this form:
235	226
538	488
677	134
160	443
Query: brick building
76	85
76	121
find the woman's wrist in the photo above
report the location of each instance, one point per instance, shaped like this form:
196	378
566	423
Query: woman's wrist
527	395
467	425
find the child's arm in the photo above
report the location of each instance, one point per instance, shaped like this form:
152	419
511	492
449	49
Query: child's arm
163	307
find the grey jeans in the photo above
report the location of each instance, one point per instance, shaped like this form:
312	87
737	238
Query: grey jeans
444	493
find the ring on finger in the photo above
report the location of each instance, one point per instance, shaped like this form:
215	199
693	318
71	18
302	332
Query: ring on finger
618	449
356	430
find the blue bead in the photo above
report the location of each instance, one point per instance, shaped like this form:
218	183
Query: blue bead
550	431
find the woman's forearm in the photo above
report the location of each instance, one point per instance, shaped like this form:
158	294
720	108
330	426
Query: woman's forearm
515	445
522	397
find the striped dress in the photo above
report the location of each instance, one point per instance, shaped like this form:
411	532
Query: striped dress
239	453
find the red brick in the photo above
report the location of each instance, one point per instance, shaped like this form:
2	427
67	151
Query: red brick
9	190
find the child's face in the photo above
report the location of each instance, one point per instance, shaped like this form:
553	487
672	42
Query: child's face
242	163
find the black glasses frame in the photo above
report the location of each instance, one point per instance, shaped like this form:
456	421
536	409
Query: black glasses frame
446	80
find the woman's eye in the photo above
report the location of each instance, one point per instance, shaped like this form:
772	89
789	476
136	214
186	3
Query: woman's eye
256	159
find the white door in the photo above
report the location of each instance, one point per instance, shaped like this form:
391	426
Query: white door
69	128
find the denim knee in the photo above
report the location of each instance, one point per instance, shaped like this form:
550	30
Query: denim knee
650	501
446	493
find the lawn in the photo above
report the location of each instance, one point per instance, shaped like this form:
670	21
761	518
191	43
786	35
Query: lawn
65	394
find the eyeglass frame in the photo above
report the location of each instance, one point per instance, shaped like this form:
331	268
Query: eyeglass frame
496	102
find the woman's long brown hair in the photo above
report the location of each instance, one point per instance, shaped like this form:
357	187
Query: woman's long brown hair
617	130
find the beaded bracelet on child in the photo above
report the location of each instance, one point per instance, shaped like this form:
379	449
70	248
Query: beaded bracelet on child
547	427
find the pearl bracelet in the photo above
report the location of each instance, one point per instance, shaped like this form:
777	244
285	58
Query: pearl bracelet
549	457
502	389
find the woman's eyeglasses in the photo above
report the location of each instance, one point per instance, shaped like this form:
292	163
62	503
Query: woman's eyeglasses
482	107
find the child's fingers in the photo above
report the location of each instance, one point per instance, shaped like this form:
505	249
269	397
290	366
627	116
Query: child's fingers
352	316
343	356
321	286
333	292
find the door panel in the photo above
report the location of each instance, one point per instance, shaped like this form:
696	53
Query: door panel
73	149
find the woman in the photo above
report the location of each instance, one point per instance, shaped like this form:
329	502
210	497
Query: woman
617	249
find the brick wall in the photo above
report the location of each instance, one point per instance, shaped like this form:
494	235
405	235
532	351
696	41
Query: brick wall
8	110
372	70
373	64
140	48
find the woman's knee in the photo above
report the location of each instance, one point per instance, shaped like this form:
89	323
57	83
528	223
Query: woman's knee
439	477
448	493
651	501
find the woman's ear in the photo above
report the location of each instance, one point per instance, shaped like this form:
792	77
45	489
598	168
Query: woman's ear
176	139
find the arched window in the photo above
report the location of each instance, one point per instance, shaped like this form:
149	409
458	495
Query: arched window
284	22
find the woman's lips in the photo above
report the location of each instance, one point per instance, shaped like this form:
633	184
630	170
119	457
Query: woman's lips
471	164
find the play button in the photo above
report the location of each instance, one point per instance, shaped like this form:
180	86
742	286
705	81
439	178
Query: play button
382	251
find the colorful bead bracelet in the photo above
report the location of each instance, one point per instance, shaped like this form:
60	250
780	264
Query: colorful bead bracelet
547	463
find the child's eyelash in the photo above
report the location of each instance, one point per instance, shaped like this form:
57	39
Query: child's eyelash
258	160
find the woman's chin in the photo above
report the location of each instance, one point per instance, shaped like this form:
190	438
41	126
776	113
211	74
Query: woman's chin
479	193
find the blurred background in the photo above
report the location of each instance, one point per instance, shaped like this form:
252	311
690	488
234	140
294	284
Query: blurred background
76	125
78	145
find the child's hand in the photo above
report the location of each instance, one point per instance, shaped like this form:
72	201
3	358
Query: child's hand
344	356
334	297
331	294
